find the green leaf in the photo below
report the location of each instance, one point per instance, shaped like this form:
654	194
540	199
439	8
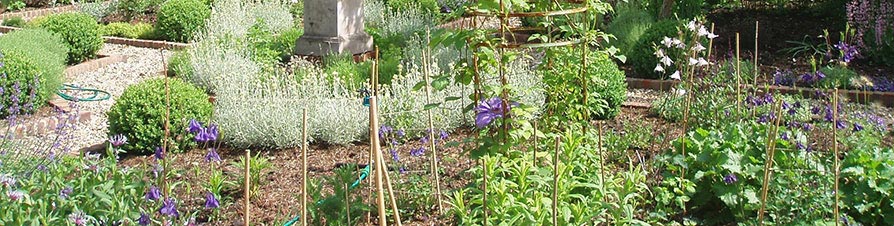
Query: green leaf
430	106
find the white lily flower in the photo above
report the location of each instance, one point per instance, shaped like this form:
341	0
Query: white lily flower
712	36
702	62
666	61
667	42
679	92
675	75
702	31
659	68
698	47
693	26
692	61
659	53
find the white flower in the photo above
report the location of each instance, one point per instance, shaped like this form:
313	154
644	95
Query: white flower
659	68
702	62
659	53
667	42
679	92
692	61
666	61
675	75
712	36
698	47
702	31
693	26
678	43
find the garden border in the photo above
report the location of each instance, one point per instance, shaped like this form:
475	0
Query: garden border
46	124
101	61
143	43
31	14
883	98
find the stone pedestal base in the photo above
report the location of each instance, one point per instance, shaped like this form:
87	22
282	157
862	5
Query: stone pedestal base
310	45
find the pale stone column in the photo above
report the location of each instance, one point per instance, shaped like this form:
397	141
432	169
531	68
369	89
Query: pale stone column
333	27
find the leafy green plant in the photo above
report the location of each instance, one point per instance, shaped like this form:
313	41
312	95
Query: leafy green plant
342	206
140	112
837	77
14	22
80	32
867	184
33	61
258	166
128	30
566	78
180	20
133	8
630	22
180	64
642	55
14	5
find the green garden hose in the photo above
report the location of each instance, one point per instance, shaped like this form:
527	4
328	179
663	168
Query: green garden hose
98	95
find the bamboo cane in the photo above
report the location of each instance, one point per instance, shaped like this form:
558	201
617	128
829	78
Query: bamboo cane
374	146
756	69
711	43
556	185
304	167
738	78
164	148
772	134
431	135
391	196
247	188
835	149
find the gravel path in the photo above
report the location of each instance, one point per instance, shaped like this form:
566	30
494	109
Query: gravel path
142	64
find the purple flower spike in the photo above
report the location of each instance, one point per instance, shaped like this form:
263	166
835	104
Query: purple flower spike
144	219
153	194
210	201
730	178
118	140
78	218
394	155
443	135
169	207
417	152
212	155
487	111
194	126
159	153
857	127
840	124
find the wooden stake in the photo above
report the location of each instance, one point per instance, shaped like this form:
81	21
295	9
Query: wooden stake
247	188
556	185
374	146
602	163
436	177
534	158
391	196
835	150
347	203
484	191
738	78
304	167
756	30
711	43
772	134
164	146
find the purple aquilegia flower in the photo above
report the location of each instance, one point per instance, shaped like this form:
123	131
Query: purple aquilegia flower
15	195
78	218
402	170
194	126
806	126
153	194
782	78
384	130
857	127
144	219
784	136
443	135
210	201
401	133
423	139
159	153
169	207
799	145
487	111
819	75
840	124
207	134
815	110
417	152
212	155
394	155
730	178
66	192
848	52
118	140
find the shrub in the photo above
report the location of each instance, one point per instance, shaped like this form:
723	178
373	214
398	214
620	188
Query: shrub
837	77
139	114
642	55
35	59
629	23
180	64
606	85
179	20
80	32
868	185
14	22
98	10
39	3
132	8
128	30
427	7
683	9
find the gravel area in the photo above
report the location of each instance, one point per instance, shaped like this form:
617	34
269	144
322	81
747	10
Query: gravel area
142	64
646	96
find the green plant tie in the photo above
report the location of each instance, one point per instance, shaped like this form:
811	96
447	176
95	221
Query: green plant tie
363	175
97	95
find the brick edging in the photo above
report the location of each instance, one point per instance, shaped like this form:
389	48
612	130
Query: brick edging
46	125
153	44
94	64
884	98
31	14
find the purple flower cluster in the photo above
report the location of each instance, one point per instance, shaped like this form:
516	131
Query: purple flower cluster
488	110
212	155
783	78
848	52
210	201
169	208
755	101
730	178
203	134
153	194
417	152
118	140
870	17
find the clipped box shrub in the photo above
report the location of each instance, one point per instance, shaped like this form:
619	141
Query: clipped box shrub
80	32
606	85
35	60
642	55
180	20
139	114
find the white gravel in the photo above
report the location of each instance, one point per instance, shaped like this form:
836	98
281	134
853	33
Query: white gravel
142	64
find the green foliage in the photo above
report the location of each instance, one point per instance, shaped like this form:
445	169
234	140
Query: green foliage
837	77
180	20
268	48
867	185
35	59
180	64
128	30
630	22
567	77
642	55
258	166
335	208
99	189
683	9
80	32
139	114
13	5
427	7
14	22
133	8
347	71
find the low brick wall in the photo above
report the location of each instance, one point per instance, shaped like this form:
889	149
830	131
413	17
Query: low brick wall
95	64
31	14
153	44
45	125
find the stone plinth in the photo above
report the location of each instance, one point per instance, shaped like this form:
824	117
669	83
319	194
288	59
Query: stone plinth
333	27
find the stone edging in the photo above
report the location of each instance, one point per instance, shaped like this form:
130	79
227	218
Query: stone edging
883	98
46	125
31	14
92	65
153	44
